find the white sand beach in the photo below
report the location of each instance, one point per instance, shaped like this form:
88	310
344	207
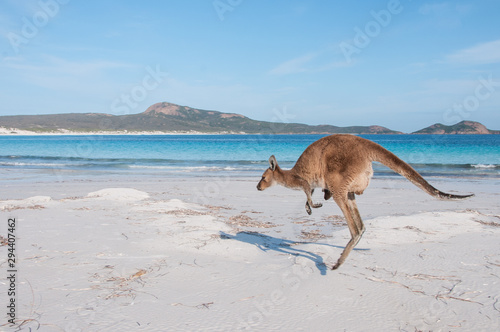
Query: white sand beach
20	132
214	254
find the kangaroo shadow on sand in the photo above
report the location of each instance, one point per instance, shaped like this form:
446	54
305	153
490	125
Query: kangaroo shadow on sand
266	242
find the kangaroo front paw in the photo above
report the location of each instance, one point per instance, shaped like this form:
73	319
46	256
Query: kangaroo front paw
315	206
308	208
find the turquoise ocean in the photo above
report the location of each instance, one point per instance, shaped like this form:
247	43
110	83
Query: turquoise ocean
464	156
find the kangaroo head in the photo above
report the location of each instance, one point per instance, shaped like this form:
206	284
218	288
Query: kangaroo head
268	178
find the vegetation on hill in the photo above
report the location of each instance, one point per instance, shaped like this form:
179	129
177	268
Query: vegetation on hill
167	117
170	118
464	127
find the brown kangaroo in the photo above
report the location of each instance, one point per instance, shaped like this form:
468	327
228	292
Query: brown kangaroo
342	166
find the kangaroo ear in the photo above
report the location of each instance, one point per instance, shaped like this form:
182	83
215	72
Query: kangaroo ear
272	163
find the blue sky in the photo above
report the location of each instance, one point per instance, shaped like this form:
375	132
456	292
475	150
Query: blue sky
400	64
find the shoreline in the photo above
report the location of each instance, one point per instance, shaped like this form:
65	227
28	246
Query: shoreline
114	252
17	174
20	132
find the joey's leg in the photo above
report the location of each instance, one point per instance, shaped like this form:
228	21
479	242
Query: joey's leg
351	216
328	194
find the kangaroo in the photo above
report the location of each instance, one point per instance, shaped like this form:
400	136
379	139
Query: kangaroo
342	166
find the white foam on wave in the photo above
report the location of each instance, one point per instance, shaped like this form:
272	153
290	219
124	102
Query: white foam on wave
485	166
32	164
186	168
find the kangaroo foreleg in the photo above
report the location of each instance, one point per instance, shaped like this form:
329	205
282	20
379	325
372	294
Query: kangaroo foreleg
314	205
310	204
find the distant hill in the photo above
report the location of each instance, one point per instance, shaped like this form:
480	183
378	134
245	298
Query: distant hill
464	127
171	118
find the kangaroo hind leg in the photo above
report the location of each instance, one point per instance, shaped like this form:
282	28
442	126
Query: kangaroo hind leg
353	208
348	206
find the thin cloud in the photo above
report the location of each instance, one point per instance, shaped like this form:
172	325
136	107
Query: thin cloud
58	74
54	65
435	8
484	53
447	15
294	66
309	63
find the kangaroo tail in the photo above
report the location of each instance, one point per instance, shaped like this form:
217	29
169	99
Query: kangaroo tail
390	160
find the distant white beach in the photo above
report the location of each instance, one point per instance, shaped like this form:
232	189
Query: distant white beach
20	132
